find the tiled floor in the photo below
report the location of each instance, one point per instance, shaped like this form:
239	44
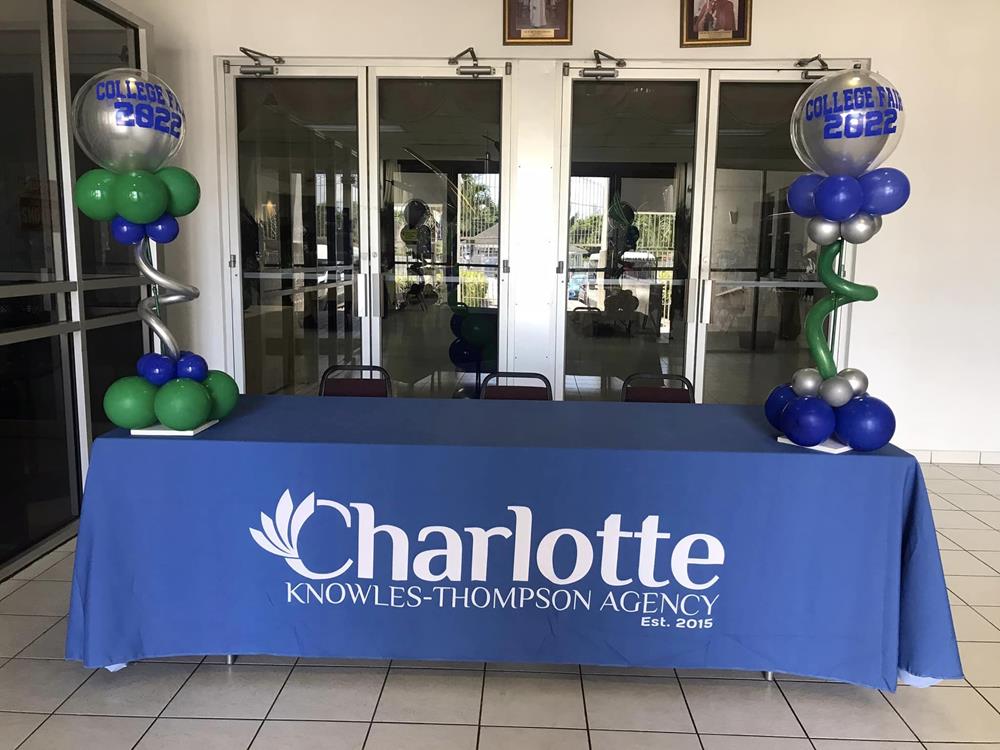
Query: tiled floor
267	703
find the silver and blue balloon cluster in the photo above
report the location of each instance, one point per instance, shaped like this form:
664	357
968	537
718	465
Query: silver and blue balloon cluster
844	126
810	410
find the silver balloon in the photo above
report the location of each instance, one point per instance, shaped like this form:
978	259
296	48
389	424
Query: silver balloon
806	382
847	123
128	119
836	391
860	228
823	231
857	379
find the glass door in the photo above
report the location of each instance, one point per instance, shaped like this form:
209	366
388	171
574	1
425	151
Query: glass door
632	178
438	191
758	263
297	233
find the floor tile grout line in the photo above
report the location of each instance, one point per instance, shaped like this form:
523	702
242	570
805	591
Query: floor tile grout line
169	700
13	576
61	704
798	721
694	724
901	717
979	691
371	721
40	635
482	698
583	697
273	702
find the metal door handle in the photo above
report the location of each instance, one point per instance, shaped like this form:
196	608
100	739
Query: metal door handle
705	313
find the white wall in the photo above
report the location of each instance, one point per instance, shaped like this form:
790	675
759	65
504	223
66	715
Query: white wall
930	343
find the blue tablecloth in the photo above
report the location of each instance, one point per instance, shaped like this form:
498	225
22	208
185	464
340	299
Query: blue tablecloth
603	533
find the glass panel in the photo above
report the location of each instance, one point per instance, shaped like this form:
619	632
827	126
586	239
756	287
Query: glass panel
38	455
29	194
98	303
762	261
631	187
299	229
98	42
111	354
439	151
32	311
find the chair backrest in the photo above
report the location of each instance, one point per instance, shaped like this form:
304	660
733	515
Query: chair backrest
380	387
516	392
658	393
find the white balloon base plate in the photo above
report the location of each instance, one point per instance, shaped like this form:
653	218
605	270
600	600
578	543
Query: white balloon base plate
158	430
827	446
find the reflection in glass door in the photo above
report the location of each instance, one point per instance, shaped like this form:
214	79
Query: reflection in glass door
439	168
631	201
299	229
760	261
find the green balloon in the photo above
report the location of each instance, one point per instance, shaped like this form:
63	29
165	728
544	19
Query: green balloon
140	197
92	194
184	190
129	403
183	404
224	392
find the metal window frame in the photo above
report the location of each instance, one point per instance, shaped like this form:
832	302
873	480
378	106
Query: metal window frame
79	323
367	72
697	74
226	74
442	70
840	328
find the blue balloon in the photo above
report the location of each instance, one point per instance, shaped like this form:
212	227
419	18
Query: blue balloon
192	366
125	232
157	368
144	361
808	420
163	230
802	195
776	403
865	423
456	324
464	355
839	197
886	190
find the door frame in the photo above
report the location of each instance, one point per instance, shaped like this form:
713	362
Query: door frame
227	72
641	71
445	71
702	313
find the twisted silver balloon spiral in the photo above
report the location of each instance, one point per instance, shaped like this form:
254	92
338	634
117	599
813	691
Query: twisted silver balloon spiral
149	307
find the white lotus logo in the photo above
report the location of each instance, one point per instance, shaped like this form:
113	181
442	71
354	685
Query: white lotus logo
281	536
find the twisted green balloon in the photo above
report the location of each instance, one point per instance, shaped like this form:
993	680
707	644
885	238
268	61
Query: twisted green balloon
842	292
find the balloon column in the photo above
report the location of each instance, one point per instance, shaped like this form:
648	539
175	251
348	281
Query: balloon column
131	123
844	126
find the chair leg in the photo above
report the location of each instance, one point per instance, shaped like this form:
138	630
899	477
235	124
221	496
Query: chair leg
230	660
769	676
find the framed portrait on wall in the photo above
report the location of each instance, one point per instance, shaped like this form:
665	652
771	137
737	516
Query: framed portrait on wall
715	23
538	21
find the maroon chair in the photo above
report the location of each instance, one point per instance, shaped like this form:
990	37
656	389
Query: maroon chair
517	392
660	394
330	385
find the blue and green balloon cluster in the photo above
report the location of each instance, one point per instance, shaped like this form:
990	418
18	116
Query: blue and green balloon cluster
138	203
181	394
